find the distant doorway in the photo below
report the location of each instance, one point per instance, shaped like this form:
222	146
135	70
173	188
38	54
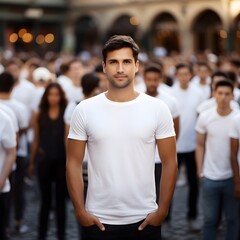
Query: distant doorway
209	33
164	33
86	32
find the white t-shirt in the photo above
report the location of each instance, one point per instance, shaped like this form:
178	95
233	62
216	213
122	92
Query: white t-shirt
7	140
72	92
39	91
121	140
24	92
171	102
11	114
216	163
188	101
21	114
235	132
212	103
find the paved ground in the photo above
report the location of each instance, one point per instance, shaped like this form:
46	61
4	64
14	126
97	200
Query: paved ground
179	230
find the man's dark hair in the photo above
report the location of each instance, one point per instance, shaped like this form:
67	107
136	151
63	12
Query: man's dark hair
219	74
64	67
117	42
152	67
224	83
6	82
89	82
183	65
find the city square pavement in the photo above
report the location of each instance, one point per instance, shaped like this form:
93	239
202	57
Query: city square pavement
178	231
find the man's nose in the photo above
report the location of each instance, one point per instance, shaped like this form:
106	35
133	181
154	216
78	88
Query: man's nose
120	68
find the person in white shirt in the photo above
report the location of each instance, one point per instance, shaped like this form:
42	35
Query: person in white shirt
214	165
70	79
188	97
211	102
121	128
153	79
203	79
7	158
6	85
41	77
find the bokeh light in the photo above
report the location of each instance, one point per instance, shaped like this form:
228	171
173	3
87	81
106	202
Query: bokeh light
40	39
13	37
21	32
49	38
134	21
27	37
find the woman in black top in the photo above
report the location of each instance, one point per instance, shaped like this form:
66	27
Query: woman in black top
48	152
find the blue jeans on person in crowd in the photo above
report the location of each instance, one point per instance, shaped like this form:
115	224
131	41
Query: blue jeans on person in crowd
212	192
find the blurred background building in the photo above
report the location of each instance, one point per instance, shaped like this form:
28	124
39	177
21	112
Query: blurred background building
163	26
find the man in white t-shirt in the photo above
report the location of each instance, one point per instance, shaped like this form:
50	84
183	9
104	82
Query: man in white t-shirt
211	102
7	157
188	97
214	165
121	129
153	79
203	80
70	79
21	113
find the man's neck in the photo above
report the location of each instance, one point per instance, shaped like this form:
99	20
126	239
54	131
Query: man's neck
121	95
5	96
224	111
152	94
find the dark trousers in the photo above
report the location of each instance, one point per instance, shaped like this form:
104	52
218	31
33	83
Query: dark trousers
52	172
16	197
189	160
122	232
4	201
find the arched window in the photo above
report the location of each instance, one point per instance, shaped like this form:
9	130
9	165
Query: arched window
209	33
164	32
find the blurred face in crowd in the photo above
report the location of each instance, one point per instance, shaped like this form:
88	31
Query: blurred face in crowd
152	81
53	97
120	68
15	70
203	72
223	95
75	71
184	76
103	84
214	81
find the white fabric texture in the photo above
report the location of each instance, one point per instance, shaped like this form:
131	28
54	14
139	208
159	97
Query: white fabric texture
121	140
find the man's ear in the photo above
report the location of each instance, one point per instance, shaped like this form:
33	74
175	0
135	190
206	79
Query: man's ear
137	66
104	66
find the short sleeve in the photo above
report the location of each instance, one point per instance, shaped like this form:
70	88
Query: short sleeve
200	124
8	134
234	129
165	126
77	129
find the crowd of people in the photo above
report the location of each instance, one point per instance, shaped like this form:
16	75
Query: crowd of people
62	103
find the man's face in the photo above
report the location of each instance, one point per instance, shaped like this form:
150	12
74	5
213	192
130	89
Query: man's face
152	81
120	68
203	72
184	76
223	95
14	70
75	71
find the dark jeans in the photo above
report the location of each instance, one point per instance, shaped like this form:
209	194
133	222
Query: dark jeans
16	197
122	232
52	171
4	201
189	160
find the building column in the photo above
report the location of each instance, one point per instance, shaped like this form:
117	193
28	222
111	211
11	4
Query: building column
186	39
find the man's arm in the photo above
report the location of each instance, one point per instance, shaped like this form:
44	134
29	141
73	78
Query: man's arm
168	156
75	155
176	126
7	166
235	166
200	150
